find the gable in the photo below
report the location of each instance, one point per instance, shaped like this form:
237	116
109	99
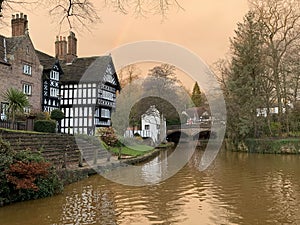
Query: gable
90	70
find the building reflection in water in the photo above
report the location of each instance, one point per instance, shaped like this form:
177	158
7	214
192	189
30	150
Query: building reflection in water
89	206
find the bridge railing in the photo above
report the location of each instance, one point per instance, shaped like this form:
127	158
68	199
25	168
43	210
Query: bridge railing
188	126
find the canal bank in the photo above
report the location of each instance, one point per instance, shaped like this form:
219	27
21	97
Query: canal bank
37	165
73	173
266	145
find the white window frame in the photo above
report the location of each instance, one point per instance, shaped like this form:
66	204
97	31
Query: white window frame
27	89
27	69
54	92
105	113
107	95
54	75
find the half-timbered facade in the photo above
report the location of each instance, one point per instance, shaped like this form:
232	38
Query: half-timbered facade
50	82
88	89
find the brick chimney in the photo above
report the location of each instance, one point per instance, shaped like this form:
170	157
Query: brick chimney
72	47
61	48
19	25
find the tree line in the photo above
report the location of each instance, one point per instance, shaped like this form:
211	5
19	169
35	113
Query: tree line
260	79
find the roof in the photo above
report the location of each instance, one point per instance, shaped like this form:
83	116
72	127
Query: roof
11	45
87	69
46	60
197	111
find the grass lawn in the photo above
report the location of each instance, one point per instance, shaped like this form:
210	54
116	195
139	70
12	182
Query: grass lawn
134	150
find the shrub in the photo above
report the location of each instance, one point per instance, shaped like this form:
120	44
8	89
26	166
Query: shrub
108	136
41	115
28	176
47	126
57	115
6	159
276	128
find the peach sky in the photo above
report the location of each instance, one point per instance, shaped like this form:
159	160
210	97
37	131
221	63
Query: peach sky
204	27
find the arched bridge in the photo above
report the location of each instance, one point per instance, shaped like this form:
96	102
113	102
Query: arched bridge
194	131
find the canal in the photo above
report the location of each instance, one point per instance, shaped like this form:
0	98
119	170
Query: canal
238	188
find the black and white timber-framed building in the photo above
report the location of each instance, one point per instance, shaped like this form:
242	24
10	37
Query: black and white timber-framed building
84	88
88	94
52	72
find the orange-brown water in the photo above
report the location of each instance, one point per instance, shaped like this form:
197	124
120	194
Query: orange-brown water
238	188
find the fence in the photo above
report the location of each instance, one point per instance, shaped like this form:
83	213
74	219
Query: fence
15	126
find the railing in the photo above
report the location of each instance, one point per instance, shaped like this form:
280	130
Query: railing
142	133
15	126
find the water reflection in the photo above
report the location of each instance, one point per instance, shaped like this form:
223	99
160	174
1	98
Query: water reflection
236	189
88	206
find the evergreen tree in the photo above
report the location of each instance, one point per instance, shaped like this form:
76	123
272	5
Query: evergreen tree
245	81
196	95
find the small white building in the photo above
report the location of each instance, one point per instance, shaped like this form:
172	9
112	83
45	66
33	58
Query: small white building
153	125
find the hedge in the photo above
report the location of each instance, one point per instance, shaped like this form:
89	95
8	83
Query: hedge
47	126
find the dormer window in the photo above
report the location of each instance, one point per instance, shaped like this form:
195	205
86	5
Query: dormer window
27	69
54	75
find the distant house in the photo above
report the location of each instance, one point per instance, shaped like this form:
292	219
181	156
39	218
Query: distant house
264	111
88	88
153	125
20	67
198	115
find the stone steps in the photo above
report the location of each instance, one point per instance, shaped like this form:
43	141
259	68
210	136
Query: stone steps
57	148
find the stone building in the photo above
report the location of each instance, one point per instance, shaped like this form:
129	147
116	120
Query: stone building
20	67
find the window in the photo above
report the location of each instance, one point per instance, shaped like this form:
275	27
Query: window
54	75
27	110
147	127
4	110
54	92
27	89
105	113
108	95
27	69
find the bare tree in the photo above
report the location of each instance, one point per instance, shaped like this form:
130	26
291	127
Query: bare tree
281	20
129	74
78	13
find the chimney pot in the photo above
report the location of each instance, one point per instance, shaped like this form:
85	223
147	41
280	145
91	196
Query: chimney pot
60	48
19	24
72	47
